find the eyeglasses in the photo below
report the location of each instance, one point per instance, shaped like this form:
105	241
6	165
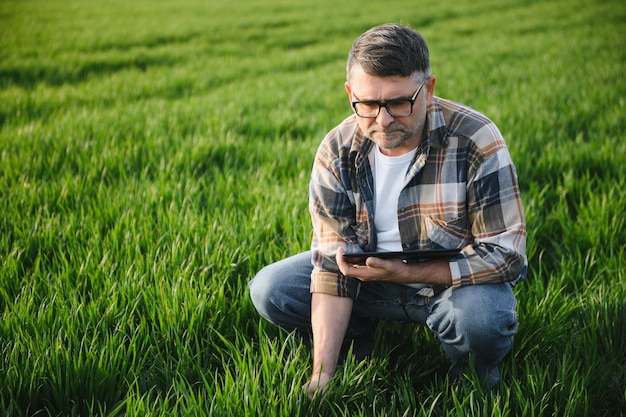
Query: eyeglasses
396	108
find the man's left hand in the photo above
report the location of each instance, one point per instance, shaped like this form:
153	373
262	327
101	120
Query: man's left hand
375	269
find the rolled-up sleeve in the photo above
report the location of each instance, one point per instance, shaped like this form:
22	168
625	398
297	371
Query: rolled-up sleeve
333	213
497	253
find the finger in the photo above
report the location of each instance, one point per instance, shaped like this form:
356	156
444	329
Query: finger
309	390
380	263
341	263
373	262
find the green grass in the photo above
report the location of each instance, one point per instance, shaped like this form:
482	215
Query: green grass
154	155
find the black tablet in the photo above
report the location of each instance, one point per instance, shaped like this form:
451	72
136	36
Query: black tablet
406	256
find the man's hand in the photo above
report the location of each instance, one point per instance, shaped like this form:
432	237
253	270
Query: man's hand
330	316
318	384
375	269
394	270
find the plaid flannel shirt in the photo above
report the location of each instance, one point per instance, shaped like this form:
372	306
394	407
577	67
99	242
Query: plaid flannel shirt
460	191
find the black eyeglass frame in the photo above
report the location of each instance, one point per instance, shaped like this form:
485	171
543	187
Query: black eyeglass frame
386	105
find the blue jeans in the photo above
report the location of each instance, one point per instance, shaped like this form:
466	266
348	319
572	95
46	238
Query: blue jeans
475	321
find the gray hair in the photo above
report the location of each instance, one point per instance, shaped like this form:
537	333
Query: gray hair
390	50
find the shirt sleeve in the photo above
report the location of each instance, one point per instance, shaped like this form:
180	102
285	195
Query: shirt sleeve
331	205
497	253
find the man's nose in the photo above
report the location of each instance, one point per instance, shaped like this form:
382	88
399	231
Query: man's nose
384	118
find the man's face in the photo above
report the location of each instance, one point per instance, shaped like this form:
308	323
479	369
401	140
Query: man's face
394	135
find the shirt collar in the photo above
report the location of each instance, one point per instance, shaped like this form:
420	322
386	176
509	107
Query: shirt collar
437	129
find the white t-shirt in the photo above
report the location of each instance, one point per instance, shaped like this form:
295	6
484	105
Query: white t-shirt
389	174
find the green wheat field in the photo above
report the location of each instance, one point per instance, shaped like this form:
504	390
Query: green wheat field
154	155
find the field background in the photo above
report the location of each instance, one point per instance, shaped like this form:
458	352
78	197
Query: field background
155	154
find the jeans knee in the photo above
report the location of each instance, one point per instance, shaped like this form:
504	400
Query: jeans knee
280	292
490	329
261	290
475	319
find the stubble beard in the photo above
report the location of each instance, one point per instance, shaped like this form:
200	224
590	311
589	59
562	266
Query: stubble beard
389	138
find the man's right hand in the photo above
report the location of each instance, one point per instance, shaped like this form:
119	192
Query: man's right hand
318	384
330	316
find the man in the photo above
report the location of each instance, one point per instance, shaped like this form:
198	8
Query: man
407	170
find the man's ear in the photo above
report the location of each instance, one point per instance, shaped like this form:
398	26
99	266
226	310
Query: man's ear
348	90
430	87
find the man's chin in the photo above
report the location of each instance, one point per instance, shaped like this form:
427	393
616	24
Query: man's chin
386	141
